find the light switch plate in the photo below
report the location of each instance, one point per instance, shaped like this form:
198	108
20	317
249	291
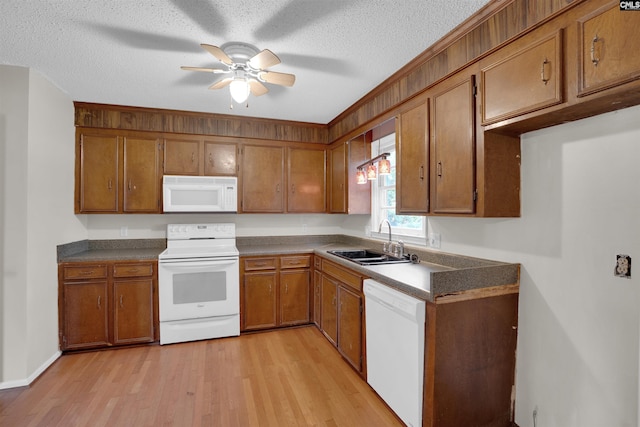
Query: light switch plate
434	240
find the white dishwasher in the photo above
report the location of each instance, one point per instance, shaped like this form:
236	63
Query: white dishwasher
395	325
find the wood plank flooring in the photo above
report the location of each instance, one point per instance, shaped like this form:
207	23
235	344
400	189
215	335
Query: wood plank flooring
291	377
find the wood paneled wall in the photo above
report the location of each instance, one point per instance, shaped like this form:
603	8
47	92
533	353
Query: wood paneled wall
497	23
185	122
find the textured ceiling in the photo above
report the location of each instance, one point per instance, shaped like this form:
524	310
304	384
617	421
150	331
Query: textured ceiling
129	52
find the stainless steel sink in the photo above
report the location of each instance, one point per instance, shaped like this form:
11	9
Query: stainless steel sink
369	257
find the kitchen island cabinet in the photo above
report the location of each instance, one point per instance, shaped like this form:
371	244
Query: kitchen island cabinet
107	304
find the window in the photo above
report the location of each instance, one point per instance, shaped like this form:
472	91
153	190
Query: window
409	228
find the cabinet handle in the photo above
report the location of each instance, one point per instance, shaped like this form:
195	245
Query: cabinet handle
129	185
421	173
333	302
193	157
293	188
260	264
594	60
269	288
286	288
277	188
211	159
121	304
86	273
99	306
133	270
439	169
110	185
543	74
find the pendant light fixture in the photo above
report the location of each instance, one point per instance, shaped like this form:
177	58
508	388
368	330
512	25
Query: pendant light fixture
384	168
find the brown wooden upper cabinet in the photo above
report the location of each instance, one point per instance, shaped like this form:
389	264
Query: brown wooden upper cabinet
412	160
279	179
453	155
608	52
307	179
192	155
263	179
523	77
345	195
117	172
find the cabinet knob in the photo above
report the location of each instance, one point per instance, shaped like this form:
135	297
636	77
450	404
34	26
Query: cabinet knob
211	159
99	305
439	169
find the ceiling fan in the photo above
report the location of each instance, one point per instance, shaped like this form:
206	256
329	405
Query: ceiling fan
247	69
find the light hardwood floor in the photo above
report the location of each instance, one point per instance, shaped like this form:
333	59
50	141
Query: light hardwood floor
291	377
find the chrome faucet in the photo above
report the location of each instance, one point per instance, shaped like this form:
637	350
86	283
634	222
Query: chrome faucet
385	246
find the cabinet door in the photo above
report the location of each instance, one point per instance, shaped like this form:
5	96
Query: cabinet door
608	50
259	300
142	175
528	80
307	178
329	309
219	159
133	311
358	196
412	174
97	183
85	310
181	157
338	179
453	145
262	179
317	296
294	297
350	327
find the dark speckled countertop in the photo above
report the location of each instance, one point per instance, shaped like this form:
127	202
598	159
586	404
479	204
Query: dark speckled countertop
437	274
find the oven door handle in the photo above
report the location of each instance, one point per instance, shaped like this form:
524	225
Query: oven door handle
198	263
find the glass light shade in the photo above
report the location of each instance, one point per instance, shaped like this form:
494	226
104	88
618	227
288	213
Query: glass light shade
372	173
384	167
361	177
239	89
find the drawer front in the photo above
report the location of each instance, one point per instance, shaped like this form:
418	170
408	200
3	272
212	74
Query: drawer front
344	275
90	271
297	261
133	270
267	263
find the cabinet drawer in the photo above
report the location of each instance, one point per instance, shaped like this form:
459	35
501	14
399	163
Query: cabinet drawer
344	275
93	271
269	263
298	261
132	270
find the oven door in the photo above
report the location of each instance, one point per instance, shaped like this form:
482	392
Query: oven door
190	289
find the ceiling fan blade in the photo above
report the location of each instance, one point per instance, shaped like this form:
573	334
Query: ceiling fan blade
222	83
206	70
218	53
257	88
264	59
283	79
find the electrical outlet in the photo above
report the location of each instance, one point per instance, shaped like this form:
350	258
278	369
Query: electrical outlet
434	240
623	266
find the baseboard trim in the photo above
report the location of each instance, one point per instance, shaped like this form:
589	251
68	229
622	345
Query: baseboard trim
31	378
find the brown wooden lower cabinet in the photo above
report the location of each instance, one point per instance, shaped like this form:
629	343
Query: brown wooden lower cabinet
275	291
107	304
470	360
341	308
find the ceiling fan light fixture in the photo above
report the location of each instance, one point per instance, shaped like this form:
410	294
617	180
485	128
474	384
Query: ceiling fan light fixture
240	90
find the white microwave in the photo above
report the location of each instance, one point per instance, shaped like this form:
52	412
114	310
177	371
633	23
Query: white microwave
199	193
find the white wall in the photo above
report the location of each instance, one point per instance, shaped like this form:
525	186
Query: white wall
578	339
38	169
